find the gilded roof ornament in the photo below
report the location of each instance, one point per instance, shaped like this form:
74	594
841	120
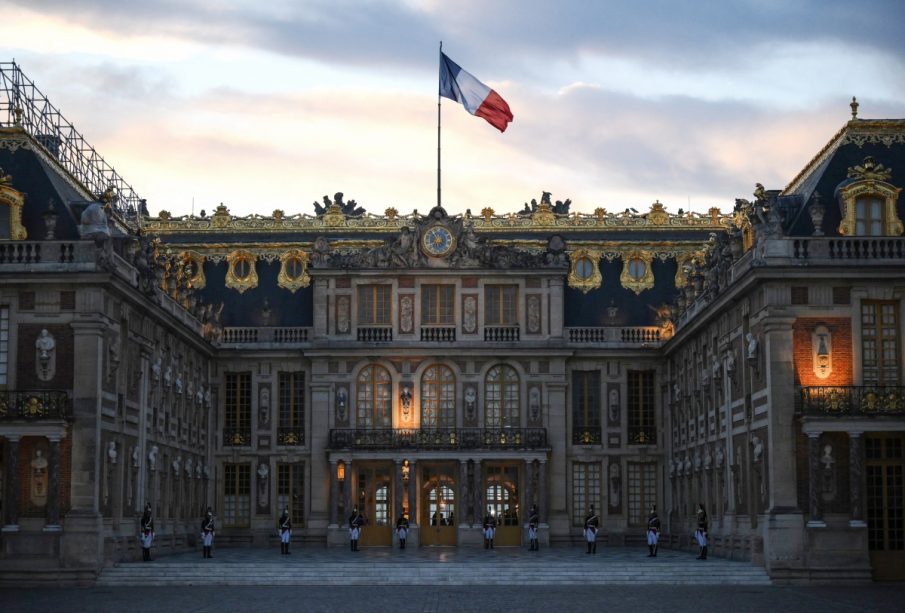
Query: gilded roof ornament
5	179
870	170
854	106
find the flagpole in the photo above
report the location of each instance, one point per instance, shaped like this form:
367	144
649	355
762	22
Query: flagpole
438	126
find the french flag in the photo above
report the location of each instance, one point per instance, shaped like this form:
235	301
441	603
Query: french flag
478	99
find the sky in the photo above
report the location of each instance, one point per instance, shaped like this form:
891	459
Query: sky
271	104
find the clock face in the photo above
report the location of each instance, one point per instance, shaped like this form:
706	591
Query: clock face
437	241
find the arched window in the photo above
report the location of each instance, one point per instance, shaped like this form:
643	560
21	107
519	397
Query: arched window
374	399
501	398
438	397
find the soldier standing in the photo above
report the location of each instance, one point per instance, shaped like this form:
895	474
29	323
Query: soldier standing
147	533
285	527
356	521
653	532
700	534
533	521
402	529
489	531
207	533
591	523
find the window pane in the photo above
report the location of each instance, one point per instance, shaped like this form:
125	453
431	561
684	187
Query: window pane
438	398
501	398
373	397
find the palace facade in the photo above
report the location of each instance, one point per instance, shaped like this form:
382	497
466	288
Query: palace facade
449	367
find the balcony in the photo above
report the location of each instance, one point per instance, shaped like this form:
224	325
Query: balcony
375	334
290	436
441	438
501	334
236	437
642	435
853	401
645	336
35	405
855	250
438	334
586	436
270	335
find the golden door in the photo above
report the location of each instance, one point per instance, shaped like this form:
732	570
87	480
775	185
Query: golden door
439	513
885	482
375	500
501	502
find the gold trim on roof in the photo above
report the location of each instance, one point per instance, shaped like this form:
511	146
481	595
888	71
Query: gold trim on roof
848	197
236	282
595	279
646	281
15	200
334	221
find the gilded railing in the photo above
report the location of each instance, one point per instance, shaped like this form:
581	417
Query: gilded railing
34	405
438	438
853	401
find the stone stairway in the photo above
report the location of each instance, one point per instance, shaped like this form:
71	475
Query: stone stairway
419	567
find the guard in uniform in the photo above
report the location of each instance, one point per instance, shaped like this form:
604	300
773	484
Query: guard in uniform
147	533
591	524
356	521
285	527
653	532
700	534
402	530
489	531
533	521
207	533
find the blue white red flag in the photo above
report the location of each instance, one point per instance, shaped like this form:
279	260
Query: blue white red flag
478	99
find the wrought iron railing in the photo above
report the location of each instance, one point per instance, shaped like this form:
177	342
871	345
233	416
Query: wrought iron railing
33	405
642	435
853	401
22	103
438	438
586	436
290	436
236	437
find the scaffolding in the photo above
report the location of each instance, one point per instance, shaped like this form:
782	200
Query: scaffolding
23	105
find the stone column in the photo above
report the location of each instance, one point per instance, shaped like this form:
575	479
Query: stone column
347	487
529	482
53	486
815	520
413	474
318	435
334	494
542	502
11	499
463	492
856	478
397	493
478	493
781	385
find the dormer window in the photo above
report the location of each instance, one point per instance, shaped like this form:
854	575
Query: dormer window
868	201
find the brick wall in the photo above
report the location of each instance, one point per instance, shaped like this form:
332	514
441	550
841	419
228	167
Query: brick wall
841	332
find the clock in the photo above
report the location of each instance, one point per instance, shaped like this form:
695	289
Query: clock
438	241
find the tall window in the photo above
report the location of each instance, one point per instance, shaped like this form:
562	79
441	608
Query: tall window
585	490
236	494
880	343
586	407
4	344
501	398
374	400
869	216
501	305
642	491
292	408
291	492
237	418
438	397
437	304
641	425
374	305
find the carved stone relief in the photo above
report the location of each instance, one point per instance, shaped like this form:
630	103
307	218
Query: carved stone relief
469	314
406	314
533	313
264	406
343	314
45	356
614	487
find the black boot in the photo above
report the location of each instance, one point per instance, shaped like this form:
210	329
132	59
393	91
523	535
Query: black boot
650	549
282	549
700	554
491	543
589	547
210	551
655	550
288	553
205	552
704	553
486	543
594	547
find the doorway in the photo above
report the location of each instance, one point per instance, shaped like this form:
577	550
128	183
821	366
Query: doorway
501	496
885	483
375	499
439	511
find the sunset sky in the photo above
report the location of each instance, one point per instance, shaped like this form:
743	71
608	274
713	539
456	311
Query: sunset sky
272	104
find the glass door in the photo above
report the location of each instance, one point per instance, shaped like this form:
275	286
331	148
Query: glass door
375	500
438	506
885	477
501	497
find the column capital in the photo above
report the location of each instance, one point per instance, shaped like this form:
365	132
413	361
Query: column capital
777	323
855	434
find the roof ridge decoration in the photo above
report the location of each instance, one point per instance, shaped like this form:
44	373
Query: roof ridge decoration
334	220
858	132
15	200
